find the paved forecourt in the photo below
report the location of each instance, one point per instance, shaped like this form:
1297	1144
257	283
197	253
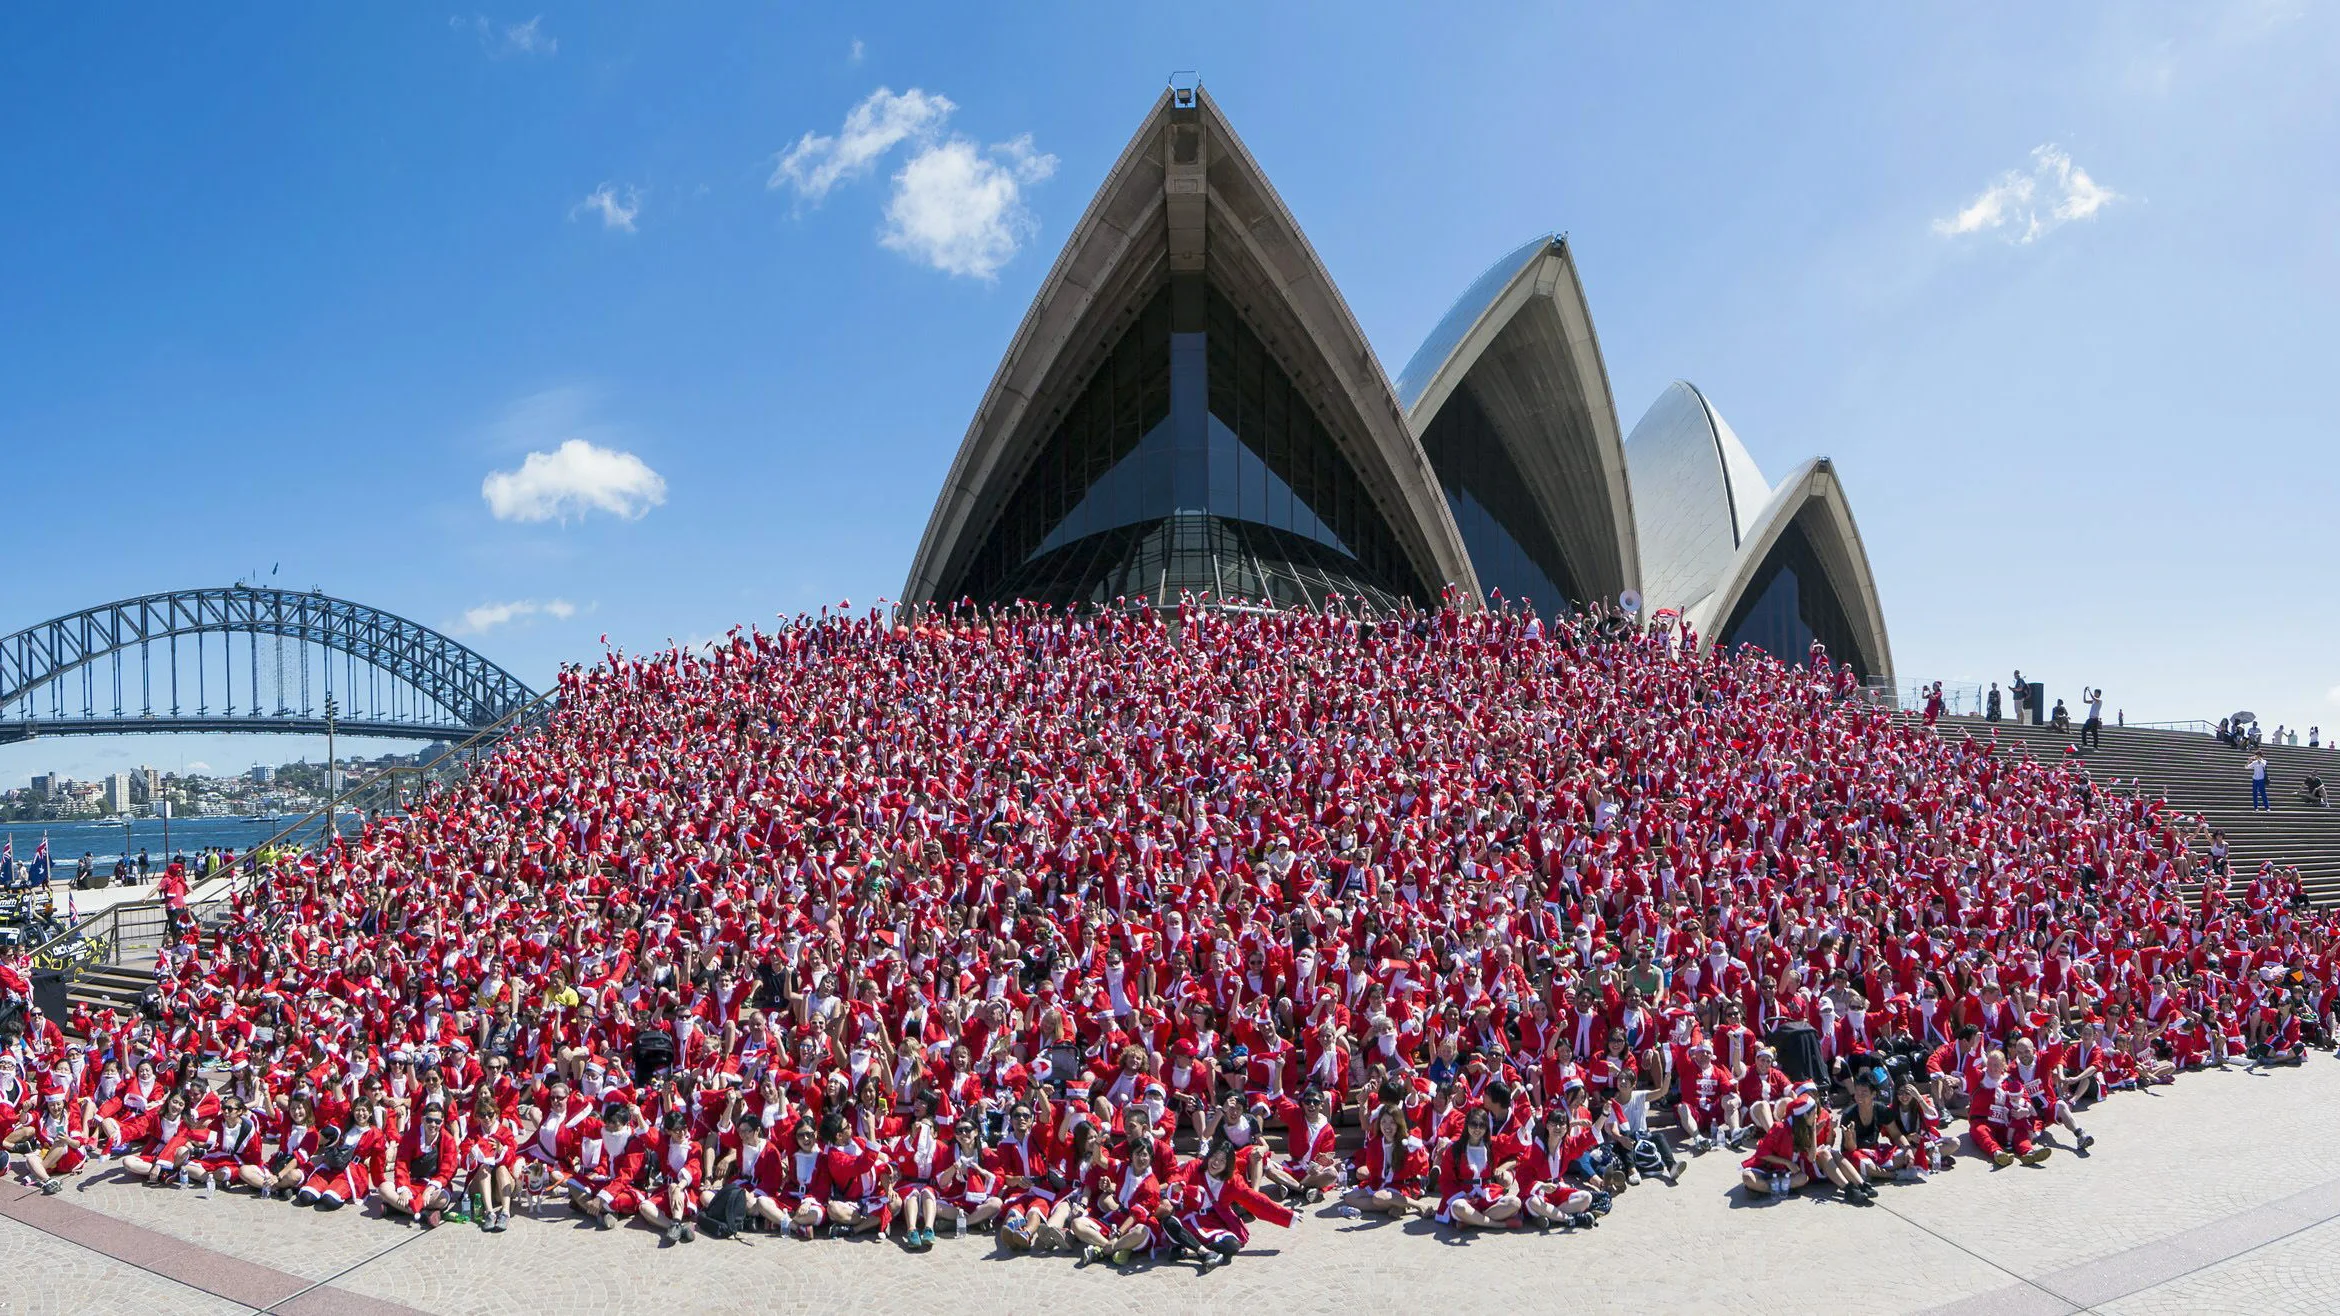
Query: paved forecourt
2221	1193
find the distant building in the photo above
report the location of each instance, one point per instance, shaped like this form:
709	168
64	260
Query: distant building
433	752
46	785
263	774
117	797
146	785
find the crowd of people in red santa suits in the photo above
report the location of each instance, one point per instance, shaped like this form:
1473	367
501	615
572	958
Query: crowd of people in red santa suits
1126	932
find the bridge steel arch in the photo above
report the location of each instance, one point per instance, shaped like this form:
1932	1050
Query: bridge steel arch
471	691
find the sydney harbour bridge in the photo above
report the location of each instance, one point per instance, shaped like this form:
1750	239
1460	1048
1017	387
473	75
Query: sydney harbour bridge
247	659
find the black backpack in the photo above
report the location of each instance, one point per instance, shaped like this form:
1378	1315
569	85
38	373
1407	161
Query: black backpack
653	1051
725	1214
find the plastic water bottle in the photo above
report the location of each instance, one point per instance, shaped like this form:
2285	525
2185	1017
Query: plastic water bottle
961	1231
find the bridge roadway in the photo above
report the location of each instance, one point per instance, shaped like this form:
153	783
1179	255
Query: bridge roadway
266	723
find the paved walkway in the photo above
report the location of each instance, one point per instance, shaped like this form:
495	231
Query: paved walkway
2221	1194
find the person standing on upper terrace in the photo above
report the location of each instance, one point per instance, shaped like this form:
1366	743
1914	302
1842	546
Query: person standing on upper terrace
2092	731
2259	781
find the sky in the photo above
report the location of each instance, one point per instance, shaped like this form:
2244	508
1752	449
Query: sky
540	325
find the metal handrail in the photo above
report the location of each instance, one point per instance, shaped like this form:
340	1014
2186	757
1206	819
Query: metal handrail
240	881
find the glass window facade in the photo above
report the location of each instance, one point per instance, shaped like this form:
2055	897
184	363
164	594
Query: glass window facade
1198	553
1511	546
1190	439
1790	603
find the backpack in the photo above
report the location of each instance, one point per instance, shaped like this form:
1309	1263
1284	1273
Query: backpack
725	1214
653	1051
12	1016
336	1154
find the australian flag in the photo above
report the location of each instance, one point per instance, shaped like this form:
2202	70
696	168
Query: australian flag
39	876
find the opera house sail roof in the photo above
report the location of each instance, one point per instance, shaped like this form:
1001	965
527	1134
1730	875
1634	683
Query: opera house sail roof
1189	409
1189	406
1744	561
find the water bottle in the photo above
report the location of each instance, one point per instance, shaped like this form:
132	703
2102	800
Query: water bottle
961	1231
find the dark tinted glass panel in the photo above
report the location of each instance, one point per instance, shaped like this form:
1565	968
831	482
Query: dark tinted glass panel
1194	553
1512	549
1180	430
1789	604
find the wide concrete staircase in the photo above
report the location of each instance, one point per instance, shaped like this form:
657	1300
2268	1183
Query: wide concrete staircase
2200	776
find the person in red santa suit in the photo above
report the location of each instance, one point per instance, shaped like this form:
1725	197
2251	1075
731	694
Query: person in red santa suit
348	1164
127	1117
853	1179
604	1159
1212	1202
671	1197
1709	1105
231	1148
1123	1200
171	1139
1313	1159
961	1182
1022	1160
918	1160
54	1141
1541	1170
423	1169
1999	1115
2042	1077
491	1154
1391	1167
297	1137
1474	1188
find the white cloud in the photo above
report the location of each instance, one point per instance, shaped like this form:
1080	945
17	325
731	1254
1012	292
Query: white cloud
877	125
961	210
198	766
487	616
573	479
855	56
2024	207
501	39
616	211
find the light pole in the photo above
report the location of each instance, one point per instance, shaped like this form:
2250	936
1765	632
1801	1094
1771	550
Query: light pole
330	710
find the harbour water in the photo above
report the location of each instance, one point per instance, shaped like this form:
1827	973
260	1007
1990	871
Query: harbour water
105	841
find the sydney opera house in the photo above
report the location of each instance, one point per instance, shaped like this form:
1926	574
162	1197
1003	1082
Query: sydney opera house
1189	407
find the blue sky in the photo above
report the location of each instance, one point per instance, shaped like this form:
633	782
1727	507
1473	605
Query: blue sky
290	284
